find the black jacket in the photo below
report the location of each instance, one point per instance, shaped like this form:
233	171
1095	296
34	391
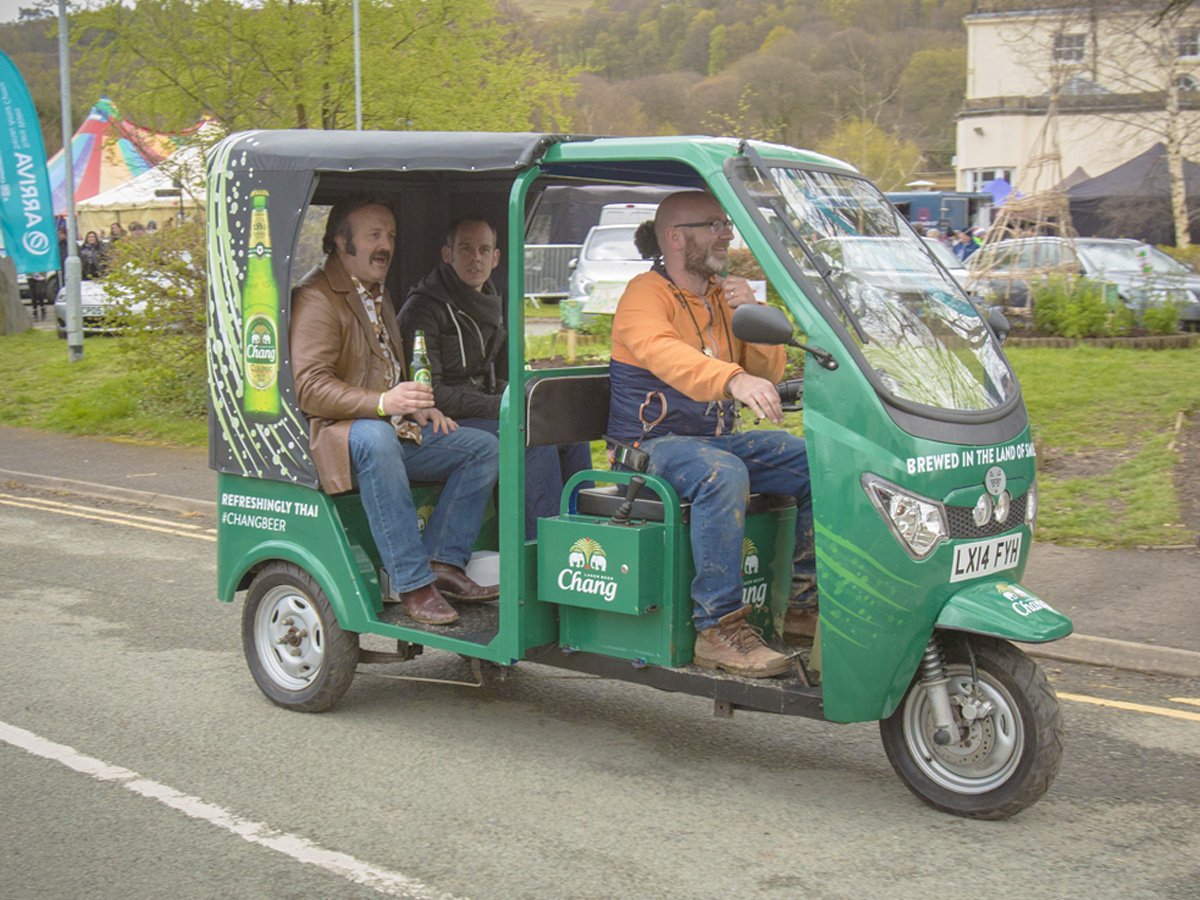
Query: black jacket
466	341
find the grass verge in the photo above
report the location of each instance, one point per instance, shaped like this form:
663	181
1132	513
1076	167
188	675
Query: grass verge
95	396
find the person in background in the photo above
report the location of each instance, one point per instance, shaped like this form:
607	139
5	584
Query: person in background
92	256
462	314
137	230
963	245
115	232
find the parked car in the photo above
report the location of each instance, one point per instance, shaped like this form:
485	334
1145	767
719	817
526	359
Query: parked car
100	306
604	266
1002	272
1144	275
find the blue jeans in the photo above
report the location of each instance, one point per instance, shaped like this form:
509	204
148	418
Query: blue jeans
717	475
547	469
466	460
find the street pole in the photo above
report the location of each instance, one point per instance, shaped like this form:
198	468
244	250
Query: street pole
357	73
72	267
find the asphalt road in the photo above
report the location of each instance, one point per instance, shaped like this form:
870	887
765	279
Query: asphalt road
137	759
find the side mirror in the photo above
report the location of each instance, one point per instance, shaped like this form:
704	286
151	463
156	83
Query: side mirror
761	324
573	263
999	324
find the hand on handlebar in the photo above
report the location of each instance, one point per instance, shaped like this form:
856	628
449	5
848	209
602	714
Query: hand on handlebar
408	397
758	394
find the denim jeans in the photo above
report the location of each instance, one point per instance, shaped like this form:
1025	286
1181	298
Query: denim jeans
717	475
547	469
466	460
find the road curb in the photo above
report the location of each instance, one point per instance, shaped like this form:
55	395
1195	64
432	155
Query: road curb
1077	648
1111	653
108	492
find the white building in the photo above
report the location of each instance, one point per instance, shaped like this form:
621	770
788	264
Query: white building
1117	78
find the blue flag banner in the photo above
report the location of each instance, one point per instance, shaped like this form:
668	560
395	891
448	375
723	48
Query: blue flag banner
26	207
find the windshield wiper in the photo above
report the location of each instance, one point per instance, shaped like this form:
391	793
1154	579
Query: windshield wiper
823	269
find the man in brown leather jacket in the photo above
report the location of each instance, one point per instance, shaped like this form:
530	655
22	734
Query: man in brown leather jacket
372	429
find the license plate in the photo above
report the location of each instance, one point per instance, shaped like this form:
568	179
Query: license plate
984	557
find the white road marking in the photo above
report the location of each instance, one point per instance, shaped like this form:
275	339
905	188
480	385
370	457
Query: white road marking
164	526
393	884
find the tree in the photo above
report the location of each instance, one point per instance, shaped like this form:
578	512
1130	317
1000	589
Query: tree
429	64
884	158
931	91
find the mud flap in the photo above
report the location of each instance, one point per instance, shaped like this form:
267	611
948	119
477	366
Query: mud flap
1003	609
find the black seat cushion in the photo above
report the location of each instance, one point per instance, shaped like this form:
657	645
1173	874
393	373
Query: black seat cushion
604	501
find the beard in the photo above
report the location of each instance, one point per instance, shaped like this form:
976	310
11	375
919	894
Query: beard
701	262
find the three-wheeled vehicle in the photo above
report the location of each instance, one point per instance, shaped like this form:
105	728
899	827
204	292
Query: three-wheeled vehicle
922	463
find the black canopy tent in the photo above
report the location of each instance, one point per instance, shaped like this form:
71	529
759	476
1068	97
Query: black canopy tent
1133	200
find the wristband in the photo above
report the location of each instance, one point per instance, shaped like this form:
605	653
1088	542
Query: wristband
379	408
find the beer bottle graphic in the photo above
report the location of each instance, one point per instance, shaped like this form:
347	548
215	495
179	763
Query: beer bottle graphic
260	318
419	368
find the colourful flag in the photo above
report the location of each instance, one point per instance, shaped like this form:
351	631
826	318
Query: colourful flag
26	207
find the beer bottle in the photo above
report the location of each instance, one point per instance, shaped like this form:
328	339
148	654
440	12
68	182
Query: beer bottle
260	319
419	368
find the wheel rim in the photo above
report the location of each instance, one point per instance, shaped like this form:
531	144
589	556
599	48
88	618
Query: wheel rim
289	637
991	747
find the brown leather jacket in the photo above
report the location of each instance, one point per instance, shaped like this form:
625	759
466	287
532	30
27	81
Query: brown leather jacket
337	364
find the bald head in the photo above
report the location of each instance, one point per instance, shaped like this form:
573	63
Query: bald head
690	247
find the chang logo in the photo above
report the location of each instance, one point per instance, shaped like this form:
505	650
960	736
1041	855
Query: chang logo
423	514
754	583
586	570
587	554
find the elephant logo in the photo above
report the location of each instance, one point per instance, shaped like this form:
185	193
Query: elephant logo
749	557
586	553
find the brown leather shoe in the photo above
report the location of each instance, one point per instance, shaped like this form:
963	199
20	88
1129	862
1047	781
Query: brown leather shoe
428	606
454	583
733	645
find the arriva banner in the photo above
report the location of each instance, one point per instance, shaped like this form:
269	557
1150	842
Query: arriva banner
26	210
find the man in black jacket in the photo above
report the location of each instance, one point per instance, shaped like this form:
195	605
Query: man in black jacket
462	315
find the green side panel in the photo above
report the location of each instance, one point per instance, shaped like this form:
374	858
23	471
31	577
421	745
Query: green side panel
260	520
1006	610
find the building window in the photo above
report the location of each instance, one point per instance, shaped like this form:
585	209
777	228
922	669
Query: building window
1069	48
977	178
1187	41
1187	83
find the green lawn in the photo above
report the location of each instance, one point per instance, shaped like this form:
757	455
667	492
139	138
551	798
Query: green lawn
1103	421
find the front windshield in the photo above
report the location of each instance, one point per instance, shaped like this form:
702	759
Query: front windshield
922	339
1122	257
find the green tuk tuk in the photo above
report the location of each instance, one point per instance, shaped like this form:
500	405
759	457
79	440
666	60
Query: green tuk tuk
922	463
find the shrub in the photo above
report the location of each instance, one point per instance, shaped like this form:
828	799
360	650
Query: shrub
1161	319
162	276
1071	307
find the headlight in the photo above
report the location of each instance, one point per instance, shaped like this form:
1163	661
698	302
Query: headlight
1003	505
1031	506
918	523
982	511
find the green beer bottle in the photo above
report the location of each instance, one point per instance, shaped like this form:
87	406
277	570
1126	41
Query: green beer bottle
420	360
260	318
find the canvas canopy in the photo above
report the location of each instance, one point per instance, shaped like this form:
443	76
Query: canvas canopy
108	150
1133	200
173	186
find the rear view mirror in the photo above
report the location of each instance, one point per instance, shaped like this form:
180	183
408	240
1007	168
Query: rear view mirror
760	324
998	322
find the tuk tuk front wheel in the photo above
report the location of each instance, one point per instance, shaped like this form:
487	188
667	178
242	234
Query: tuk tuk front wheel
1008	744
298	654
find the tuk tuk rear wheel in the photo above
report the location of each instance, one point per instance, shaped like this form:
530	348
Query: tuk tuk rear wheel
1001	762
298	654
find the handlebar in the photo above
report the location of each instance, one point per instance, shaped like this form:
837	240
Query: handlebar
791	394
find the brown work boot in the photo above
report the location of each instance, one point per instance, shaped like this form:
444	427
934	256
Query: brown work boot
428	606
454	583
800	622
733	645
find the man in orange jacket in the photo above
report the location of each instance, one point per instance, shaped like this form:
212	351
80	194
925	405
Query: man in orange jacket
676	372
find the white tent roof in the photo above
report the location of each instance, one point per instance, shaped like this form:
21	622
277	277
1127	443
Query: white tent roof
185	166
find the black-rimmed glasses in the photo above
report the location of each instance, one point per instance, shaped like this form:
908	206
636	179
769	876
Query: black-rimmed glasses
716	226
